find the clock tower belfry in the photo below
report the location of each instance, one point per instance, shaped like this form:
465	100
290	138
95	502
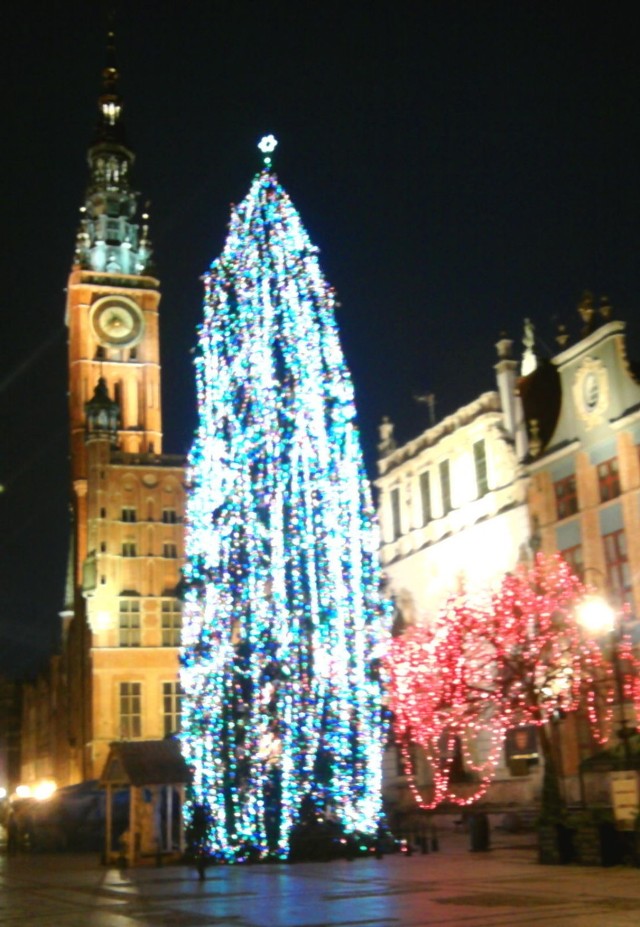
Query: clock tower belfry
113	295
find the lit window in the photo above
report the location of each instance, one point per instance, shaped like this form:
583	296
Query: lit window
617	564
395	513
130	710
445	486
608	479
129	622
171	623
566	496
129	514
171	707
169	549
425	496
129	549
480	463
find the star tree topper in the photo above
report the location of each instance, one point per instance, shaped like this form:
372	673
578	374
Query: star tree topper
267	144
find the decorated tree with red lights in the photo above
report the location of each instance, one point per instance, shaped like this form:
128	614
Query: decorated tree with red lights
517	657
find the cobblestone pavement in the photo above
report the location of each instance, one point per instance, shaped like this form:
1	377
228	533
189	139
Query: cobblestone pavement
451	888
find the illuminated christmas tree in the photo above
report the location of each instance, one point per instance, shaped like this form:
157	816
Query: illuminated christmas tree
284	620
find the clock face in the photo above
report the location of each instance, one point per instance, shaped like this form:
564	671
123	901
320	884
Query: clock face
117	321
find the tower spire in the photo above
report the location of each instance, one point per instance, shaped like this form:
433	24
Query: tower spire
110	127
110	238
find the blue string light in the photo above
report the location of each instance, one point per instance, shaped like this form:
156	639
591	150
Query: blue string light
283	620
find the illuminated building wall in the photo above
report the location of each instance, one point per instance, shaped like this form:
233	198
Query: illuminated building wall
453	512
452	509
583	414
583	417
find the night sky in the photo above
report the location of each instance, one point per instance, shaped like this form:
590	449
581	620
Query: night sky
461	166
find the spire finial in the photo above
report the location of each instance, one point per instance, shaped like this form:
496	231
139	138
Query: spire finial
110	71
110	127
267	145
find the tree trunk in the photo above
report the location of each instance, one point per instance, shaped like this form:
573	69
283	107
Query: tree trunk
552	802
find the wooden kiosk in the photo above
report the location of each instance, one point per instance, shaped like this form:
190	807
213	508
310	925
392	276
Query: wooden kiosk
154	774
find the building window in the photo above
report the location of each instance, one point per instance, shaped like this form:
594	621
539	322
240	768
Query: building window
171	623
130	710
129	623
129	549
425	496
480	464
129	514
608	479
573	556
566	496
395	513
617	564
445	486
171	707
169	549
169	516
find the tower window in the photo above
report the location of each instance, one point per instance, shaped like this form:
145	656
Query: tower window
169	516
171	707
169	549
480	464
171	623
129	514
130	710
395	513
425	496
566	496
608	479
129	549
445	486
129	622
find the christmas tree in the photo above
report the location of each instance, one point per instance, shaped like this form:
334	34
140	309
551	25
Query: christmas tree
283	617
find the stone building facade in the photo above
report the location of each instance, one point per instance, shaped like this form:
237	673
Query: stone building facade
453	501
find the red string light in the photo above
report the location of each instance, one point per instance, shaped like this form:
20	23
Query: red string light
518	656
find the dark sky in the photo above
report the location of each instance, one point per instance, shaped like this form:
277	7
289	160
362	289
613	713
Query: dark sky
460	165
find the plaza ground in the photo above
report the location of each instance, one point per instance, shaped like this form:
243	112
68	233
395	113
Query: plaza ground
450	888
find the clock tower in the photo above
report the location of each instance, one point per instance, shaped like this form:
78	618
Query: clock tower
117	675
112	299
